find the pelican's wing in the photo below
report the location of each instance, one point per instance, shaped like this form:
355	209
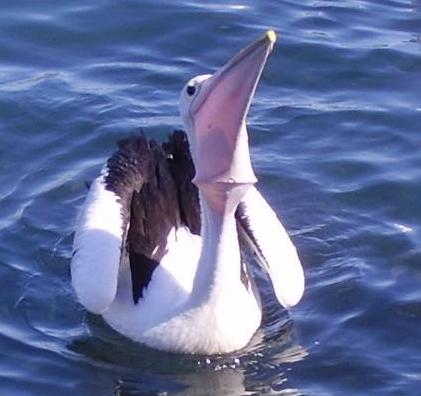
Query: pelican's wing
97	247
265	235
143	192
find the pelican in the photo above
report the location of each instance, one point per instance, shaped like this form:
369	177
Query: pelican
158	245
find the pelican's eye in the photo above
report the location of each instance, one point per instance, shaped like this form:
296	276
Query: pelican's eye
191	89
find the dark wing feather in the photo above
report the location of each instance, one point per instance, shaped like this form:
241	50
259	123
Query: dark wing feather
154	185
182	169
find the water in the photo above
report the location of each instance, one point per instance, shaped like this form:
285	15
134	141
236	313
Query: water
335	132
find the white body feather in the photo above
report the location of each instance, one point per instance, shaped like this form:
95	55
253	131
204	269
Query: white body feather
182	309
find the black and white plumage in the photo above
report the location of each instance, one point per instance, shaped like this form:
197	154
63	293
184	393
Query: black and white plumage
154	187
157	247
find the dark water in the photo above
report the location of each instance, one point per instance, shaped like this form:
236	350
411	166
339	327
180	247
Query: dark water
336	137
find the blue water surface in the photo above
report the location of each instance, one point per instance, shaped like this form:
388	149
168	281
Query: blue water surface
335	130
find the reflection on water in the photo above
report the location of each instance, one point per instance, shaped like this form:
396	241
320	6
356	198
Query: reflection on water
222	378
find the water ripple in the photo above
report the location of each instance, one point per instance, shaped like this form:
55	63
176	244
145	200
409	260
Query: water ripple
335	139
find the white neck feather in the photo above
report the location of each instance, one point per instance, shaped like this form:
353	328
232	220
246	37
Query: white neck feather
219	263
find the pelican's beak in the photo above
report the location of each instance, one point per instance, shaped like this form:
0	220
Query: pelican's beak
219	113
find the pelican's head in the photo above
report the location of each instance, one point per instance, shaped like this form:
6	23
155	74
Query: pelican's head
214	108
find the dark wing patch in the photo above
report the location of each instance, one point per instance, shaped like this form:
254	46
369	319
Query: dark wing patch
182	169
141	268
127	170
246	236
154	185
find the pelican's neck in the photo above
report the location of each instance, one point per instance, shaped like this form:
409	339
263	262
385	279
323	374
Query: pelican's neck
219	264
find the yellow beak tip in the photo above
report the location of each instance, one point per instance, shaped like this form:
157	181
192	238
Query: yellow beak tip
271	35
